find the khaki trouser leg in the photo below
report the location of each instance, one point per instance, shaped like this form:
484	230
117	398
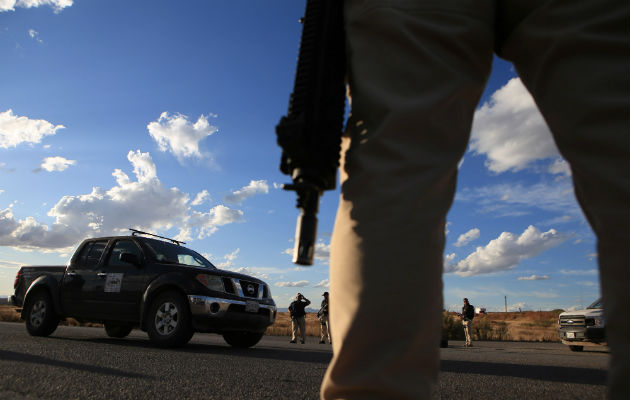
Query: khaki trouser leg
574	57
405	137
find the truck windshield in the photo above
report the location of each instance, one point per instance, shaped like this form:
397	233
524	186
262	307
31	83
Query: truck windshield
166	252
598	304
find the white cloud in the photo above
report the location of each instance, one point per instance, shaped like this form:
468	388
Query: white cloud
34	35
510	130
467	237
176	134
323	284
201	198
145	204
578	271
228	259
293	284
560	167
52	164
57	5
254	188
505	252
533	278
15	130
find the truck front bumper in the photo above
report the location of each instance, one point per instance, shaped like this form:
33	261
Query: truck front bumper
578	336
213	314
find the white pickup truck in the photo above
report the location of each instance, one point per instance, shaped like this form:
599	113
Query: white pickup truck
583	327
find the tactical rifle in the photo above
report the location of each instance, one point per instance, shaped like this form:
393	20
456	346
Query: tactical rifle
310	134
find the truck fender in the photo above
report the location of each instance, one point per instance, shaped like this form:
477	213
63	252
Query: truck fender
169	281
44	282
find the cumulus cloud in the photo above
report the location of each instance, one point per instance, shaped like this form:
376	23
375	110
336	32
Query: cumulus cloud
175	133
144	203
533	278
228	259
201	198
15	130
505	252
292	284
11	5
52	164
254	188
510	131
467	237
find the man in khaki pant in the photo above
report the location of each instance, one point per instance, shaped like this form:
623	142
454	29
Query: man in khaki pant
322	314
298	317
417	69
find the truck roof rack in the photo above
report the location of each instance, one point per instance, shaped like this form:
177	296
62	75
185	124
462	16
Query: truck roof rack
136	232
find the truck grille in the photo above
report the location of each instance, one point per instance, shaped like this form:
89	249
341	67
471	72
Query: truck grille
572	321
250	289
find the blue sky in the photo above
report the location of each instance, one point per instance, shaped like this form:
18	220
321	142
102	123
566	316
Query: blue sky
160	115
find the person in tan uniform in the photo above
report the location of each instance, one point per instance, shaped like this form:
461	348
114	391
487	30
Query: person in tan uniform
322	314
416	71
467	315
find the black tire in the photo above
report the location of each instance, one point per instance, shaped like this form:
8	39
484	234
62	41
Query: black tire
576	348
41	319
444	343
242	339
169	323
117	331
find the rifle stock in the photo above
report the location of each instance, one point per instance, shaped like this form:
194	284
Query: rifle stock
310	134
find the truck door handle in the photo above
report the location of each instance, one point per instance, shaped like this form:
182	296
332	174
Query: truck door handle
101	274
71	274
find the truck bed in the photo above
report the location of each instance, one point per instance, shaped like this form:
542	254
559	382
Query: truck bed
28	274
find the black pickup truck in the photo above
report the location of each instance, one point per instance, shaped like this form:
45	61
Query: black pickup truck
143	281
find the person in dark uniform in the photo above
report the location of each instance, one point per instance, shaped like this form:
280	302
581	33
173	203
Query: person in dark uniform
298	317
467	315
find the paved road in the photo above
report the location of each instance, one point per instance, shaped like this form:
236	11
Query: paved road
83	363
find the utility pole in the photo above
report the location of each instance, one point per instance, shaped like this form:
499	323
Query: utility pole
505	298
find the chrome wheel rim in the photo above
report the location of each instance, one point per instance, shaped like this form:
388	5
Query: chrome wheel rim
166	318
38	313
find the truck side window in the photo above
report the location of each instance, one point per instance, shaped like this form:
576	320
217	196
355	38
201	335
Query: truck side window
123	246
95	253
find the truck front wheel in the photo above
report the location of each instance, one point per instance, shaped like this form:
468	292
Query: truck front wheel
41	319
576	348
169	323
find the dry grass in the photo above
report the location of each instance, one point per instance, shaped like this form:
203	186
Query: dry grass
282	326
530	326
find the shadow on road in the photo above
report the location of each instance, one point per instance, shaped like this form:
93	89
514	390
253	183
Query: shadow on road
29	358
302	354
587	376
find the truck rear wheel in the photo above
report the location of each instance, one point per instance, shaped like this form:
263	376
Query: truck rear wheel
576	348
169	323
41	319
242	339
117	331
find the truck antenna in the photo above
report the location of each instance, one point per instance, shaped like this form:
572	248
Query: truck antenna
137	232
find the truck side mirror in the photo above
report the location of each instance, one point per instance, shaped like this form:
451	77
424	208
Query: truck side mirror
130	258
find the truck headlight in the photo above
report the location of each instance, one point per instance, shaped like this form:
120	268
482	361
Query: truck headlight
212	282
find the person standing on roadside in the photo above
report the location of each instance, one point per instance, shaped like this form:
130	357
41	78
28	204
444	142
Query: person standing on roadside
298	317
467	315
322	314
